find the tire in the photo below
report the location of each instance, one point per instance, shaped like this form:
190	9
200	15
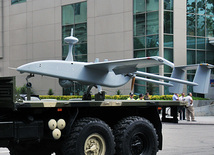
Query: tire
135	136
89	136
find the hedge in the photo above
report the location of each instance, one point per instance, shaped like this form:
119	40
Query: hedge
116	97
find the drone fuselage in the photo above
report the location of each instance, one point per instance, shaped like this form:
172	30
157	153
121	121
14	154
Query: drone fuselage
75	71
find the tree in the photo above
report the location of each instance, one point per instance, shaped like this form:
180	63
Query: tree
50	92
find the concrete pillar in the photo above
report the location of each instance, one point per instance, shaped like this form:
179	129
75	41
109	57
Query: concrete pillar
180	51
180	54
161	41
1	29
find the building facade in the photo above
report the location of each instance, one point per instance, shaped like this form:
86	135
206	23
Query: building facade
33	30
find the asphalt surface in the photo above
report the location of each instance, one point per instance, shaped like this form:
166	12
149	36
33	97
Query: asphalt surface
189	138
4	151
183	138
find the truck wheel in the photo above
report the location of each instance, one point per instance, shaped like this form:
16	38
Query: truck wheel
135	135
89	136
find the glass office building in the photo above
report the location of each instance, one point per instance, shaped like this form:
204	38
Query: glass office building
148	28
178	30
200	28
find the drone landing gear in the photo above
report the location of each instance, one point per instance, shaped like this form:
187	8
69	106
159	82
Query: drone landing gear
29	85
100	96
87	95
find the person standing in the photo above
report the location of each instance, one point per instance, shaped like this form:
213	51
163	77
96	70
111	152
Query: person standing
182	109
146	97
189	108
175	97
131	96
141	97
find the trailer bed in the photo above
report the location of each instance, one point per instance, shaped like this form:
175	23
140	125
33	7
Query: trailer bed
8	99
81	103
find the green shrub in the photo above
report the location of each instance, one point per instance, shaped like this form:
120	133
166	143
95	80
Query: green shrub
115	97
50	92
118	92
23	90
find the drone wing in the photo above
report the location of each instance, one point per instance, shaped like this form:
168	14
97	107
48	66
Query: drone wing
127	66
176	81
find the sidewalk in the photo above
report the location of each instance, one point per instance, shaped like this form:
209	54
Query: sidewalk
206	120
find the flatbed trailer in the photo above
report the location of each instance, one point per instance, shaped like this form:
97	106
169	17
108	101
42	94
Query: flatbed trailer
79	126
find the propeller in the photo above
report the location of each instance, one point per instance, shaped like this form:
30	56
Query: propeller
132	84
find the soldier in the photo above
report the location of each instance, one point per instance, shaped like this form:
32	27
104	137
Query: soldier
131	96
146	97
141	97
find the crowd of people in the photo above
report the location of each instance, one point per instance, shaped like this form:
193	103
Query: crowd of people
189	107
187	111
141	96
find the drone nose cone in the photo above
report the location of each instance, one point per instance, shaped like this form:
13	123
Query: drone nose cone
71	40
23	68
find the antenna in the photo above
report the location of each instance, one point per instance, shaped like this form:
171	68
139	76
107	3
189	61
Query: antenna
71	31
71	41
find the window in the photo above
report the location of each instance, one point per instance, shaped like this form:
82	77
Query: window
152	52
200	5
139	54
75	16
168	37
67	15
168	54
139	24
200	26
191	42
210	57
210	26
210	7
152	41
139	42
17	1
152	5
191	24
200	43
152	25
168	41
168	4
168	22
200	57
199	49
139	6
191	57
191	6
146	37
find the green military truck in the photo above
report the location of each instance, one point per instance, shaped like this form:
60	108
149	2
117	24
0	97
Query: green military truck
79	127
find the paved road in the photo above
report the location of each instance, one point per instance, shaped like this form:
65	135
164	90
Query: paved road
4	151
184	138
189	138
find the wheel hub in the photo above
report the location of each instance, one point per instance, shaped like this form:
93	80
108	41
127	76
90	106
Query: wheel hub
95	145
137	144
